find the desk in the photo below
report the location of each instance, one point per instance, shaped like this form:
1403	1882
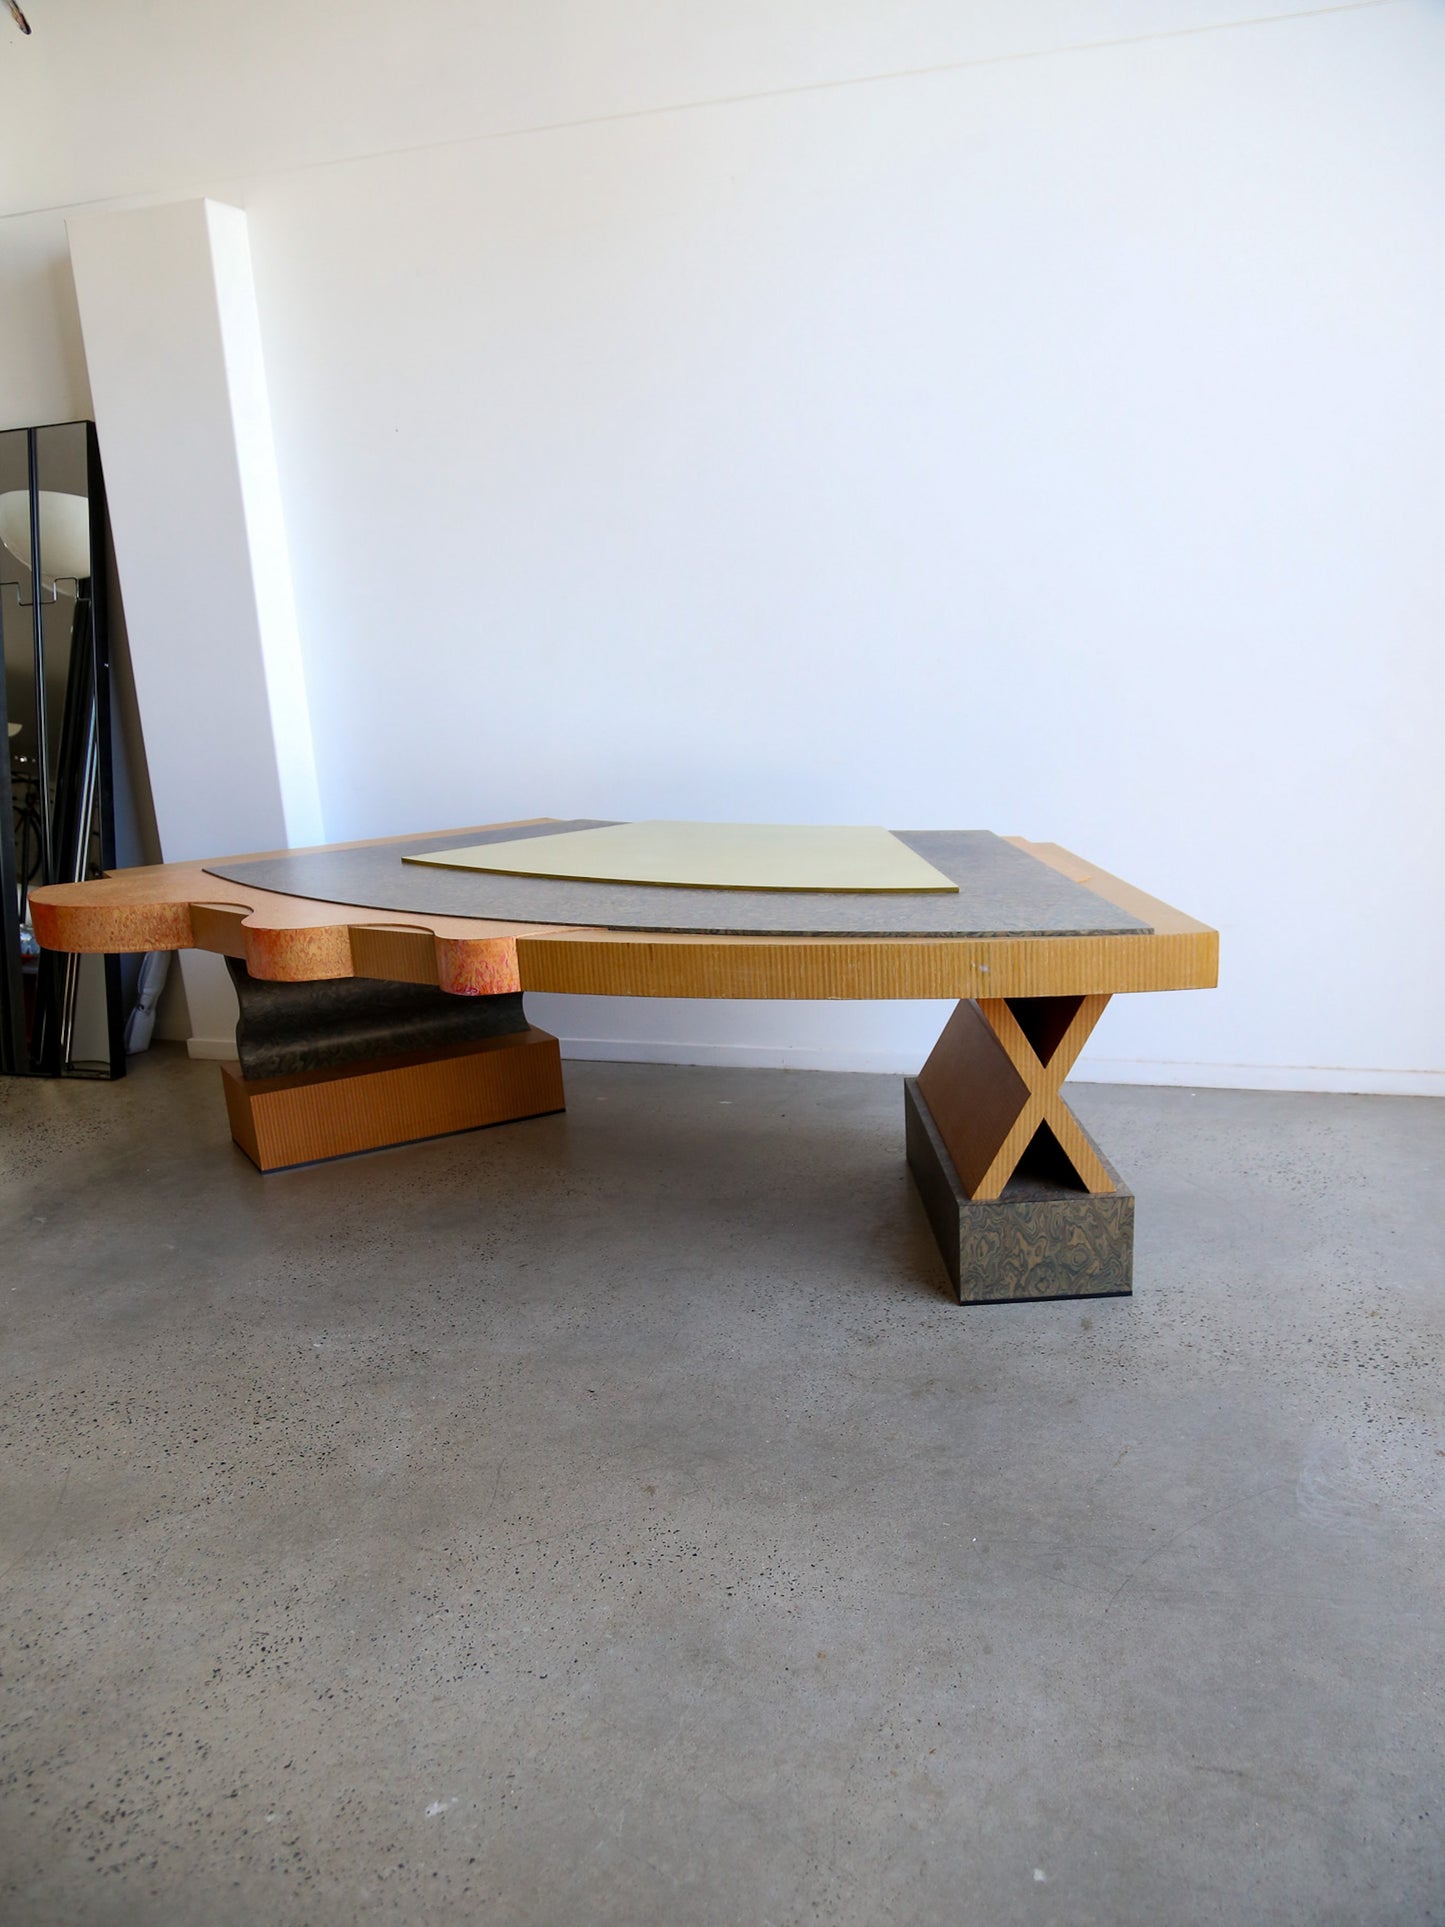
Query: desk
373	1022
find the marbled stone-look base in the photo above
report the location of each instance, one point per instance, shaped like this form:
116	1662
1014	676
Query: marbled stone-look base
1041	1239
286	1028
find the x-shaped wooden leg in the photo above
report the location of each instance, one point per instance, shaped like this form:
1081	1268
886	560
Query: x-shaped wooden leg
992	1081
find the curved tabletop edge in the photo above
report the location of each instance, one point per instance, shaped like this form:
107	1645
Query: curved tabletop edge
282	938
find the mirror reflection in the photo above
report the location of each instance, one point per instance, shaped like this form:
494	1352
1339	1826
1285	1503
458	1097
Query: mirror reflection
61	1015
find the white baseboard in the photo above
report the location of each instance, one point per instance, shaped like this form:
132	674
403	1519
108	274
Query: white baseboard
1093	1070
212	1047
772	1057
1339	1079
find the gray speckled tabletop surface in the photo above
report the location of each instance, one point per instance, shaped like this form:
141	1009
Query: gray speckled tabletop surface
1002	892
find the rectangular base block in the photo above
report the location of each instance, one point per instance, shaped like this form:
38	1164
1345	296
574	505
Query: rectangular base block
330	1113
1039	1240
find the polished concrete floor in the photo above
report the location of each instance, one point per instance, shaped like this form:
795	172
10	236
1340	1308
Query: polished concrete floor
608	1519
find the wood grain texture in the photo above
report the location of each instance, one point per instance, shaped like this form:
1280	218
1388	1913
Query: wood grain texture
281	1121
993	1080
178	906
1044	1070
974	1093
294	939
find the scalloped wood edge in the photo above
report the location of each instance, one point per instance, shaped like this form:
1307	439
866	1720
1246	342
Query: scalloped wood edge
177	906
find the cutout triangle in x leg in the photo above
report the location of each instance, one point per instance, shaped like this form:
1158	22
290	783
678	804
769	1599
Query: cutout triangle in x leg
994	1078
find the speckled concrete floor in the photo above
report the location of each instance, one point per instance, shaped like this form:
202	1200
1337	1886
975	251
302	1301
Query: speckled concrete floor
607	1519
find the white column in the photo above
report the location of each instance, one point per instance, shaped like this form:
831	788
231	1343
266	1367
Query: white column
173	347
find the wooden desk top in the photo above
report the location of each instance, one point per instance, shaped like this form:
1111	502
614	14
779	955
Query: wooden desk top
177	906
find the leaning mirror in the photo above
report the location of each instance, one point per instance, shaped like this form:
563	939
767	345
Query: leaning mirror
61	1015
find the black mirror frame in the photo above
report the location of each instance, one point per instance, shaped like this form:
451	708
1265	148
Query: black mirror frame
43	1047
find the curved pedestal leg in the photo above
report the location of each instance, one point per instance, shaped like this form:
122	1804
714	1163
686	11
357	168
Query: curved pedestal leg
1022	1201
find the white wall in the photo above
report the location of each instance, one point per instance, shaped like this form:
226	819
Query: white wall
1051	443
173	349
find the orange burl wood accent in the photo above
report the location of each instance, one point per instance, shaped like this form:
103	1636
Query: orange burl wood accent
280	1121
994	1078
181	906
296	939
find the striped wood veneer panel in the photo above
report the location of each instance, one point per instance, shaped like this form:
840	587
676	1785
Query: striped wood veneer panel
329	1113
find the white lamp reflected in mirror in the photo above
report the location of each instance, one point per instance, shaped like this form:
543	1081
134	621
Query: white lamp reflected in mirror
64	534
60	847
56	702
